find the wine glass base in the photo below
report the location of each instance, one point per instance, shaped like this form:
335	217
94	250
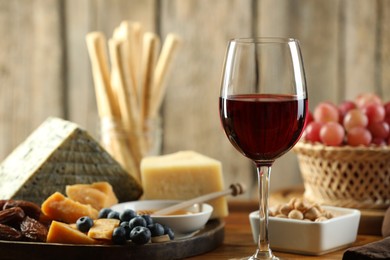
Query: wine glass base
270	258
254	258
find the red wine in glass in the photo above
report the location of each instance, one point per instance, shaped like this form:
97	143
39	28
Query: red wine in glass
263	126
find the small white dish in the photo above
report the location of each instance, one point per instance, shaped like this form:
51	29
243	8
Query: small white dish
310	238
183	225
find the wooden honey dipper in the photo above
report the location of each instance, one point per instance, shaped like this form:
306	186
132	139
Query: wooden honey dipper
234	190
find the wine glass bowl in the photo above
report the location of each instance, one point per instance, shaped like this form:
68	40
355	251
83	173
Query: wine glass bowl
263	126
263	105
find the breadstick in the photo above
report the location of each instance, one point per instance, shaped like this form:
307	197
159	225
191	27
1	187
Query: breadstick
127	115
136	37
170	47
125	33
150	48
96	44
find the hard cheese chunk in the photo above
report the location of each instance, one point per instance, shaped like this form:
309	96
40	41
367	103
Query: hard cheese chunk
65	234
99	195
58	207
60	153
107	189
183	175
103	228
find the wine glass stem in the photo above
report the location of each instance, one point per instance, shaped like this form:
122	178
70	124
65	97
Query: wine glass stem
263	250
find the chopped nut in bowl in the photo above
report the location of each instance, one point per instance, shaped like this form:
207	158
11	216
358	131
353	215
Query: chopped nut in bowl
300	210
308	228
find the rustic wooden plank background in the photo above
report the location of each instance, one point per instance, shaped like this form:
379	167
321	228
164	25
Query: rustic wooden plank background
45	70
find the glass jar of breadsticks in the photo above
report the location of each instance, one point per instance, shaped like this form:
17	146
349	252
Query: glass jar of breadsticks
129	146
129	72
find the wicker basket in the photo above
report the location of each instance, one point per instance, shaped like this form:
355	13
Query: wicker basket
356	177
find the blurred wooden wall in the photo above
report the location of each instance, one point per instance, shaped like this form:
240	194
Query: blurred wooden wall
45	70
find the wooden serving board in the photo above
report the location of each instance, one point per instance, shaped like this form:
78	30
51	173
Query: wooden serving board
209	238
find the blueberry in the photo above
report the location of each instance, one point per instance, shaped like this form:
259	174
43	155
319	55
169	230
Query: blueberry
140	235
119	235
103	213
113	214
127	215
168	231
126	226
148	219
137	221
156	229
84	224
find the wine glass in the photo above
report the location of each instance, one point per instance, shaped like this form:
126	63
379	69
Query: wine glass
263	106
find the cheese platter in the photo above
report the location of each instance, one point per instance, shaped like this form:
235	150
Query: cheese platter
45	225
207	239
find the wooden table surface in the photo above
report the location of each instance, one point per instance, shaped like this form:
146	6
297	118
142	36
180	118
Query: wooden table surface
238	240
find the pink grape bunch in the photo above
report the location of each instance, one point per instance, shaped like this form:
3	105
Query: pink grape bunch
364	121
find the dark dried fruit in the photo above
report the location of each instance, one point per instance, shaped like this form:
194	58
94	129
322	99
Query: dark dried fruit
2	203
9	233
33	230
30	208
11	215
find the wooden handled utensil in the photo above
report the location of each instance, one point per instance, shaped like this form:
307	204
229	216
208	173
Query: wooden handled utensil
234	190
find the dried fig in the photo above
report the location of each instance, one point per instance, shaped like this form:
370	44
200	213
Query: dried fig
2	203
30	208
33	230
11	215
9	233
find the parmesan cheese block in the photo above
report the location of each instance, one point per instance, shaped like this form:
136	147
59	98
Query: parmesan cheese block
60	153
183	175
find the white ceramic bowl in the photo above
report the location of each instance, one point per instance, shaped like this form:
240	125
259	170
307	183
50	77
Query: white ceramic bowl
180	224
310	238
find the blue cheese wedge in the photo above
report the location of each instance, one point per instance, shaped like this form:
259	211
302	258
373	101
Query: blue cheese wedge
60	153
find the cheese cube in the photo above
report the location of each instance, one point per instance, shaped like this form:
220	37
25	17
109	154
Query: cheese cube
181	176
